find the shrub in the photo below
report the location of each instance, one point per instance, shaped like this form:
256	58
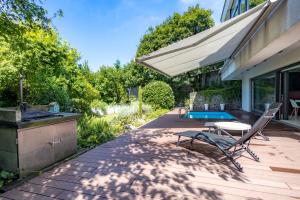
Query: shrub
157	113
125	110
227	93
6	177
98	107
159	95
93	131
80	105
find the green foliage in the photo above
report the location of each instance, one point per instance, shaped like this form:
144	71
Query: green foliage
93	131
48	91
253	3
110	83
140	101
25	12
159	95
5	177
100	105
173	29
155	114
50	69
187	102
228	92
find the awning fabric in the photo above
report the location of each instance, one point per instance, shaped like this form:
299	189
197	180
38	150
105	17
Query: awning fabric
208	47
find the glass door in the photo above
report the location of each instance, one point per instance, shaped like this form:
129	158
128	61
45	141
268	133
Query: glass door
290	92
263	92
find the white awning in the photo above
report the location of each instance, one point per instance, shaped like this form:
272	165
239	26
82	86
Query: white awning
208	47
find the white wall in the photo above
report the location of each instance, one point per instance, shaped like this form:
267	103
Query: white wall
246	94
287	57
274	45
280	31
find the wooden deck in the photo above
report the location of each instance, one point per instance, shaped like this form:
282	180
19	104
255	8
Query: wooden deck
146	164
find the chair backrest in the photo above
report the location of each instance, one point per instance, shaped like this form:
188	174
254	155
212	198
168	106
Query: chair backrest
260	123
294	104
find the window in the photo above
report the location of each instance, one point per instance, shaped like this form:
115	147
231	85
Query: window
263	92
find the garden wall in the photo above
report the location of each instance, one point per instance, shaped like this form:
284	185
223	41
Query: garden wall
198	99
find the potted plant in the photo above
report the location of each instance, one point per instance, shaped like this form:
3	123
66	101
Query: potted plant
206	106
222	106
267	106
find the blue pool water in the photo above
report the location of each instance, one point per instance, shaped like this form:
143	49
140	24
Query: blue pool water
209	115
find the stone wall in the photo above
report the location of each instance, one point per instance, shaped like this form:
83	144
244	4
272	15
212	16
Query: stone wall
197	102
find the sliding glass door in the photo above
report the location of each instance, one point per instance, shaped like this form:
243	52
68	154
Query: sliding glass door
263	92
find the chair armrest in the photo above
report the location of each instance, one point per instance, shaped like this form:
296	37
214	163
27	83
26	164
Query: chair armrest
228	134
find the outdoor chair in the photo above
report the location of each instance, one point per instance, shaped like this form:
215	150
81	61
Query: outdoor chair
231	147
273	106
295	108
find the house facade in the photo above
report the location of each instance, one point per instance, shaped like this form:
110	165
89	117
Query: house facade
259	46
234	8
268	63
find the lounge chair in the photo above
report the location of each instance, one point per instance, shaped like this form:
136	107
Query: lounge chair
273	106
295	107
230	146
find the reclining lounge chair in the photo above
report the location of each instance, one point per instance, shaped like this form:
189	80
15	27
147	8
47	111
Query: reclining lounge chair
273	106
231	147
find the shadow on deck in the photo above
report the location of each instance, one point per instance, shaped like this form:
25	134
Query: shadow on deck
146	164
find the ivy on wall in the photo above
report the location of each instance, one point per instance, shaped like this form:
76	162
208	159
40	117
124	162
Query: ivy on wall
227	93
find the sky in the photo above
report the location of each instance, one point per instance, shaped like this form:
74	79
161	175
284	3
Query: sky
106	30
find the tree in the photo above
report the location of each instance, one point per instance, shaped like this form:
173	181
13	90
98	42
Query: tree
175	28
110	83
159	95
16	15
50	69
253	3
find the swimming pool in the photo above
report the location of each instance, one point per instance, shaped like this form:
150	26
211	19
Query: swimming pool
209	115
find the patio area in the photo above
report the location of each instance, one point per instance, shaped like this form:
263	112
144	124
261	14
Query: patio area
146	164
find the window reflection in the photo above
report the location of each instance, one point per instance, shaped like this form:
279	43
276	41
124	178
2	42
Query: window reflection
263	92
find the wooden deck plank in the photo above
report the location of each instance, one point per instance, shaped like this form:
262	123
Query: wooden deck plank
146	164
41	190
21	195
209	191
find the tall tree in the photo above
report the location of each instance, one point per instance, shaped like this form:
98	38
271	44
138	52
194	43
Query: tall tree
253	3
173	29
110	83
15	15
50	69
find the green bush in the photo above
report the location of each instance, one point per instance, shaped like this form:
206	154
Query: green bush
159	95
80	106
155	114
49	91
5	177
229	92
97	106
93	130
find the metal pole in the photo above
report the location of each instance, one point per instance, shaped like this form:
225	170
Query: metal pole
21	88
286	95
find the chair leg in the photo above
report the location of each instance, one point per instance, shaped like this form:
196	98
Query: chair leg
230	155
251	153
236	164
292	112
178	141
192	140
263	136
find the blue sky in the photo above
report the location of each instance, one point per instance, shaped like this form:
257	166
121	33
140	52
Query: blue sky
106	30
